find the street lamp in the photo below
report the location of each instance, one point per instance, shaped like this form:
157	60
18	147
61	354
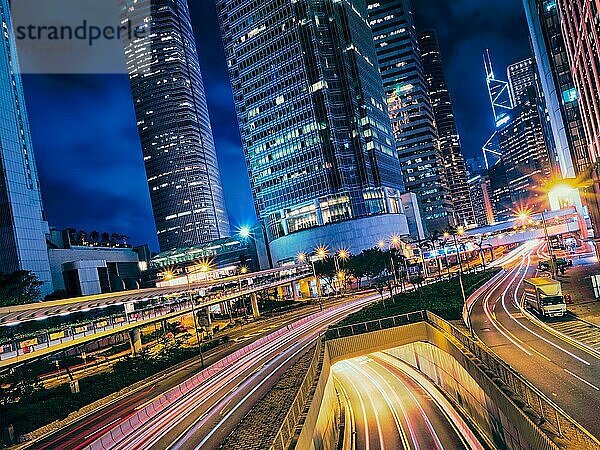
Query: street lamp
525	216
342	254
245	232
320	253
193	302
455	232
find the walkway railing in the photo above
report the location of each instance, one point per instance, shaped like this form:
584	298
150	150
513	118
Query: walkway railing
288	427
550	414
25	346
376	325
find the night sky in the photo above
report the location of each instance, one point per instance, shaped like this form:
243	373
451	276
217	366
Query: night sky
88	151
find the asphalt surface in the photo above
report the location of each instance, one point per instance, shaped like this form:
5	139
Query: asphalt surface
208	413
390	410
567	374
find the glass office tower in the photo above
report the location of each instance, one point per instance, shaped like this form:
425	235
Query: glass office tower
410	110
580	24
449	140
557	85
314	124
22	225
173	123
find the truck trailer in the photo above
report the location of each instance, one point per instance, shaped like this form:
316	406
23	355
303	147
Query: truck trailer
545	297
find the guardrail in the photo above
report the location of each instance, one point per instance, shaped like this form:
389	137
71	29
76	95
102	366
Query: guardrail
565	426
287	430
376	325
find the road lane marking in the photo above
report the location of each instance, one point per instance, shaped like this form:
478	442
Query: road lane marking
581	379
516	288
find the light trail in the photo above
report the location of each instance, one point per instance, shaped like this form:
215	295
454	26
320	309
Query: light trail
198	410
380	389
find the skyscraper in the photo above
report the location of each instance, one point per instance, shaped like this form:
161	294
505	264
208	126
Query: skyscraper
479	189
519	140
526	91
410	108
557	85
449	140
173	123
22	224
521	77
581	34
524	153
313	119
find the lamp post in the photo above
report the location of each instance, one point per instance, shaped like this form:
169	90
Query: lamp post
341	255
320	253
455	232
187	277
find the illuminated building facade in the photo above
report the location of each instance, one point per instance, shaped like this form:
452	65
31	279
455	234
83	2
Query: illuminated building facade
524	153
499	192
479	190
445	122
581	32
22	224
521	77
173	124
313	119
557	84
410	109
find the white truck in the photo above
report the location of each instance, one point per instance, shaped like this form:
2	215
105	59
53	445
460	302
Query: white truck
544	296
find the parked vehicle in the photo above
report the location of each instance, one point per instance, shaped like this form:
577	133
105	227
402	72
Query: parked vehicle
545	297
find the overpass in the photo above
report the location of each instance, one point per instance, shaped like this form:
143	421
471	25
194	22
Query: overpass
509	234
140	308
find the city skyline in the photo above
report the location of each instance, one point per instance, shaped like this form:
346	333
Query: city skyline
129	200
284	224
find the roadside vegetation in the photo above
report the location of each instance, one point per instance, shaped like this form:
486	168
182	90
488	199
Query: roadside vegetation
442	298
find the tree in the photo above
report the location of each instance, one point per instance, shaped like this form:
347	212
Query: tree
19	287
17	384
105	238
325	269
81	237
94	237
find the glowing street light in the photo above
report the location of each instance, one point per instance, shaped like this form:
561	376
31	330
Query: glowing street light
245	232
168	275
321	252
301	257
343	253
381	244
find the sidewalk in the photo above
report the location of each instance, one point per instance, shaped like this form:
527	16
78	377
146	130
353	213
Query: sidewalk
577	282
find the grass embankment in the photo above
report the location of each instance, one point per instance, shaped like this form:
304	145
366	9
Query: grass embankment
442	298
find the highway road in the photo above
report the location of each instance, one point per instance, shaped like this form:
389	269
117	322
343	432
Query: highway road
390	410
568	374
207	413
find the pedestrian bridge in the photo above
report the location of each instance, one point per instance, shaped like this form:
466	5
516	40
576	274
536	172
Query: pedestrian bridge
160	304
507	410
